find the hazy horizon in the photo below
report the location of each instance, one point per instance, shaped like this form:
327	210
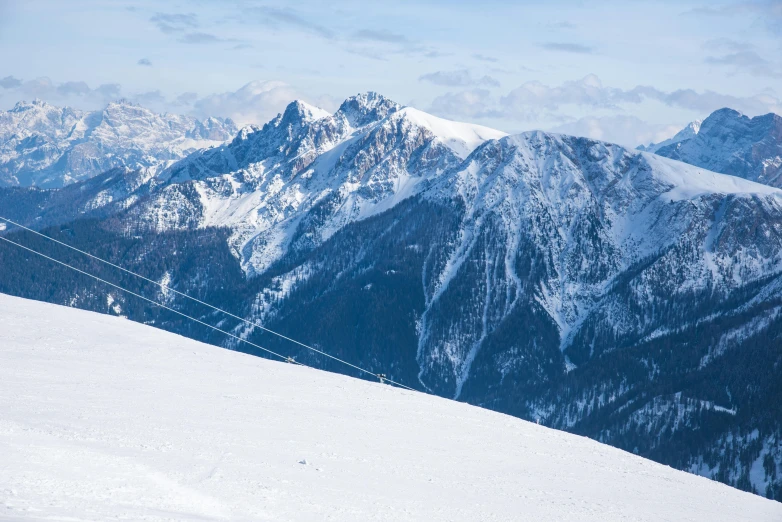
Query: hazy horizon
626	73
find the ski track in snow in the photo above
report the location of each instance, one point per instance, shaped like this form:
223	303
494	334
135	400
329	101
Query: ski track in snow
102	418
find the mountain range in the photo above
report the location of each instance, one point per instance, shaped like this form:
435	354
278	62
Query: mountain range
731	143
47	146
615	293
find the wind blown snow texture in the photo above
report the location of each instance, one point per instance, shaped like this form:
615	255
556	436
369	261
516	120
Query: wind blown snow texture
104	418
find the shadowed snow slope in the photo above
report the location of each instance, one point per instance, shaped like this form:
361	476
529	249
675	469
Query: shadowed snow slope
104	418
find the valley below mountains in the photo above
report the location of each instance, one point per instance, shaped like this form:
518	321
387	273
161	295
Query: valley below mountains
634	297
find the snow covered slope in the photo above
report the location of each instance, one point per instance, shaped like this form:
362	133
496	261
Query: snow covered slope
462	138
102	418
49	146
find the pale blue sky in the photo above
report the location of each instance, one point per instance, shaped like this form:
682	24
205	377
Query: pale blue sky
623	71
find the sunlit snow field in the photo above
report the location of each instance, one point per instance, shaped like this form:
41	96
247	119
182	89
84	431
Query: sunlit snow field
102	418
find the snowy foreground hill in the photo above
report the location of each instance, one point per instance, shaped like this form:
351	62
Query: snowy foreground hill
102	418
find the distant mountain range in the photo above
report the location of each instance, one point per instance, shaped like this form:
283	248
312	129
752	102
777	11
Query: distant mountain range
610	292
731	143
46	146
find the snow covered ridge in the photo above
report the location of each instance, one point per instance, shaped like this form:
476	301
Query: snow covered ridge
730	143
48	146
112	419
366	157
291	184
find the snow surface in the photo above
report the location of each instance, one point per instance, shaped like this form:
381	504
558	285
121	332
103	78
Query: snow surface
102	418
462	138
690	182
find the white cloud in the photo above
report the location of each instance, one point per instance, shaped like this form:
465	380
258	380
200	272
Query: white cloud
257	102
458	78
9	82
588	91
474	103
739	57
536	102
624	130
709	101
73	93
527	100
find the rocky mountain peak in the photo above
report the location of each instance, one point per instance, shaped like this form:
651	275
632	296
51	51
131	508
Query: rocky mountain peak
731	143
725	119
691	130
122	102
25	105
365	108
301	111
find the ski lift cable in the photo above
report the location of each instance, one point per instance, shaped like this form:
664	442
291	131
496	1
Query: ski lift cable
284	358
244	320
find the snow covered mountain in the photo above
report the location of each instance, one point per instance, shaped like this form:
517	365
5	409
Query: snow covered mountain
731	143
690	131
307	174
610	292
111	419
557	222
48	146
